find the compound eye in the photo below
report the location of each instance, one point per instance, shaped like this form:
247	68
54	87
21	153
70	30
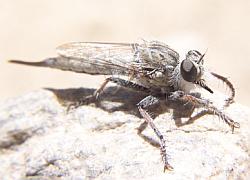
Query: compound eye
188	71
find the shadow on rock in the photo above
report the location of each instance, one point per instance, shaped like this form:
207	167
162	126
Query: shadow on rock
111	100
122	99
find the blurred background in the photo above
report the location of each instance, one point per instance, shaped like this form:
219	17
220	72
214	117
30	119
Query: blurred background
31	30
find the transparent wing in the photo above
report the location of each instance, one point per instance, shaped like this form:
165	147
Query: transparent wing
110	57
119	58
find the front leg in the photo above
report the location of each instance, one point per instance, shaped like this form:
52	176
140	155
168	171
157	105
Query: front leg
198	102
142	105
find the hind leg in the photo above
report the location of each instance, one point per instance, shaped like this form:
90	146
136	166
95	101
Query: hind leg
97	93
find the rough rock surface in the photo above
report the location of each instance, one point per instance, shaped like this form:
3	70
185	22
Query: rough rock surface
40	140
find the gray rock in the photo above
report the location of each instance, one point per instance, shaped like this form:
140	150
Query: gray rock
40	140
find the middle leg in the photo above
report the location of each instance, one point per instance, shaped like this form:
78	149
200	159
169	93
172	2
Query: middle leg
142	105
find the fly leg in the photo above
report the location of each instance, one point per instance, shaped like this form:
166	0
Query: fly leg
121	82
199	115
145	103
94	97
181	109
230	99
142	105
197	102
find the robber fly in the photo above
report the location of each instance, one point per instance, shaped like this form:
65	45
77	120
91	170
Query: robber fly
152	67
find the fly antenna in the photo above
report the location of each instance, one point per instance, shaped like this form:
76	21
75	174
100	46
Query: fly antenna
201	58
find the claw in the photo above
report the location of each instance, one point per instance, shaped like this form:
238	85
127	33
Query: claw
235	125
168	167
71	107
84	101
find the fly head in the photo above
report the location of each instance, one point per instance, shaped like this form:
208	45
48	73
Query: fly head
191	67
